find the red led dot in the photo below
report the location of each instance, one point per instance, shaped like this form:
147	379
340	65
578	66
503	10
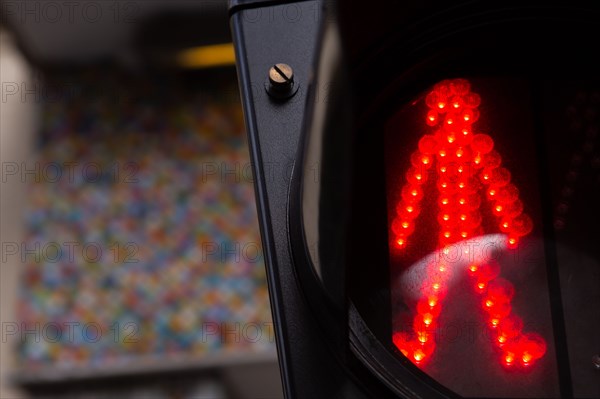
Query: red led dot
420	161
500	290
402	342
428	144
527	358
472	100
488	271
497	311
486	175
522	225
505	225
533	347
416	176
491	160
460	87
424	322
423	351
412	194
401	242
445	220
456	102
423	336
513	209
499	177
473	220
508	194
402	228
472	203
443	88
443	185
424	306
407	211
432	100
510	326
419	355
470	115
509	358
432	118
482	143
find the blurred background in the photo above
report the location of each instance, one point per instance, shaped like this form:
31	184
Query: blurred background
131	261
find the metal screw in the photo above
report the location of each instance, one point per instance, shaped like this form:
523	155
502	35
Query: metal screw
281	81
596	361
281	75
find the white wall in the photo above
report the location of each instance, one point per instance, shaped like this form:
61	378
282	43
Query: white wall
18	124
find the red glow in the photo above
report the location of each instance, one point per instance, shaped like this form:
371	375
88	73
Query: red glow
482	143
428	144
509	358
424	306
533	347
501	290
432	118
466	168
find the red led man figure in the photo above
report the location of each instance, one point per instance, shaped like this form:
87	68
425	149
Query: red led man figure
466	169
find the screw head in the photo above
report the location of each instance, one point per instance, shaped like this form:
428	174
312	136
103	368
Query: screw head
280	84
281	75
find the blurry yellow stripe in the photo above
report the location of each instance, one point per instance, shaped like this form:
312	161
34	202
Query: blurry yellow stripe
207	56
